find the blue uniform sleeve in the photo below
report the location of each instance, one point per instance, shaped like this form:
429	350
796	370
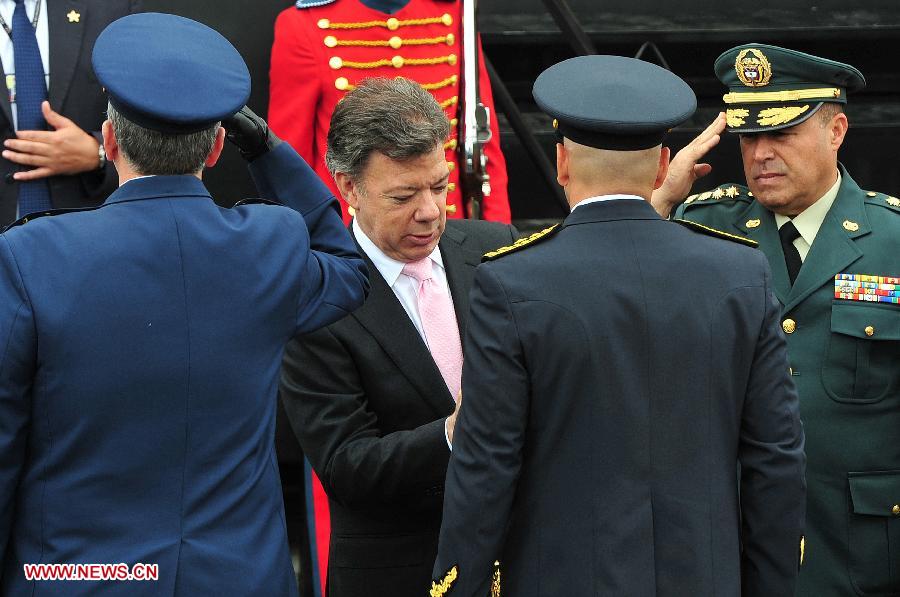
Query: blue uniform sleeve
17	358
773	486
335	279
487	443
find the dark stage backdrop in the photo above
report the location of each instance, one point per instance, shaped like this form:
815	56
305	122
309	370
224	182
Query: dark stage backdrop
249	26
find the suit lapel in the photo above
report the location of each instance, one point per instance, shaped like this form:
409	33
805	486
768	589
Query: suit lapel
834	249
460	263
384	317
65	45
758	223
4	99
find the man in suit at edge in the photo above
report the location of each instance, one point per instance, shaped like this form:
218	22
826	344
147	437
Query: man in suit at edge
618	369
833	249
142	339
68	155
371	398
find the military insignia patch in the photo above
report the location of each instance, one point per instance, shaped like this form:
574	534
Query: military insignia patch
850	226
753	68
717	233
754	223
439	589
522	243
867	288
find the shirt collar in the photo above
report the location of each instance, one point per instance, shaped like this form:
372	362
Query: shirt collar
599	198
810	220
389	268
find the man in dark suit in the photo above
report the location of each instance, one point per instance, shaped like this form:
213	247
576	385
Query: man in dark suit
618	369
63	149
372	397
142	339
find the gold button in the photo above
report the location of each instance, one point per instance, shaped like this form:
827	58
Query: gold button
324	23
397	61
871	194
454	121
335	63
789	325
330	41
451	186
870	331
451	59
393	24
342	84
395	42
453	143
451	39
896	510
749	194
451	166
451	209
454	79
447	20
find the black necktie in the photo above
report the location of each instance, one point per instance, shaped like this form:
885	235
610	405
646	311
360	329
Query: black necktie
788	233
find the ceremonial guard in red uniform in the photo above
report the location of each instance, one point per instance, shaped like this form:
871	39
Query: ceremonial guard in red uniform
324	48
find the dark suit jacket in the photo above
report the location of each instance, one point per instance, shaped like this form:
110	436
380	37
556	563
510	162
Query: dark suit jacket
368	404
142	345
616	373
74	93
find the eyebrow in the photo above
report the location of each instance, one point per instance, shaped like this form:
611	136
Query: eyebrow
400	189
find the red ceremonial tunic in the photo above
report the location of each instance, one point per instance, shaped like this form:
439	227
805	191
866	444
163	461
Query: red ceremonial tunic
321	52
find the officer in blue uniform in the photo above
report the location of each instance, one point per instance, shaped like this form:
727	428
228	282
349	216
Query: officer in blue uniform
140	342
618	369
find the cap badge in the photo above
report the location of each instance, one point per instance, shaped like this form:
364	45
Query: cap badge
753	68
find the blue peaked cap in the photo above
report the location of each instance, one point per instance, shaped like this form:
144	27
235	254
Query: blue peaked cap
170	74
613	102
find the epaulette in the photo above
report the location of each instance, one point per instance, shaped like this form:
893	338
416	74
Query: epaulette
50	212
722	193
717	233
892	203
522	243
440	588
311	3
257	201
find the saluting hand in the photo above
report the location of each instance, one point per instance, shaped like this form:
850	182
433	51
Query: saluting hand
65	150
685	168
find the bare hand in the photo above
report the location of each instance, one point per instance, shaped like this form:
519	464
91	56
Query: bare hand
65	150
451	420
685	168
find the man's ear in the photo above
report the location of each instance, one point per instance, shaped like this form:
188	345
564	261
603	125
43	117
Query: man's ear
219	144
562	165
663	170
110	144
348	189
837	129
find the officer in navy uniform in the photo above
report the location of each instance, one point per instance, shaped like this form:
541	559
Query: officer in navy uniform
833	249
142	339
618	368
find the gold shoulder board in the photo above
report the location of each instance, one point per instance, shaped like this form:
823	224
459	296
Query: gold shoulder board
51	212
439	589
522	243
717	233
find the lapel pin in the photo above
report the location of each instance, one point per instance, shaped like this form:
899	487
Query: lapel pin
74	17
850	226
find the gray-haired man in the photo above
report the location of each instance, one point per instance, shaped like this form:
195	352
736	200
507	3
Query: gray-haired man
372	398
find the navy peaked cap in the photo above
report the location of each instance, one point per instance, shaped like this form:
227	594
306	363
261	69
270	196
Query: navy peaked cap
613	102
170	74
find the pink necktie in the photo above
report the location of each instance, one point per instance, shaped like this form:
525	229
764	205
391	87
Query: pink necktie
439	323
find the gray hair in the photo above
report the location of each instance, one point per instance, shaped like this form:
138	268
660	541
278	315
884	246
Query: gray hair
151	152
396	117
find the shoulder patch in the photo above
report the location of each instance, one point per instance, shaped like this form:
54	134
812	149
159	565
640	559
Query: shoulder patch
49	212
311	3
257	201
892	203
440	588
522	243
717	233
728	192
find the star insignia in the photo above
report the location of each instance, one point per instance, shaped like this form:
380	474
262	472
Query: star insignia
732	192
74	17
893	201
718	194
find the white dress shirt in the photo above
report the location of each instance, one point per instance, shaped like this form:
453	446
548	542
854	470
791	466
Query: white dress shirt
7	8
599	198
810	220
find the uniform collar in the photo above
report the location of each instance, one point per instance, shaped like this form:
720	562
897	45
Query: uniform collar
158	187
599	198
810	220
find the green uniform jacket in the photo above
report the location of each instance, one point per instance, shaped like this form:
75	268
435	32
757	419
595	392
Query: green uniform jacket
845	359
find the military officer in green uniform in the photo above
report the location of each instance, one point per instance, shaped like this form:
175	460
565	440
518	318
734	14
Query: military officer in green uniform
834	250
